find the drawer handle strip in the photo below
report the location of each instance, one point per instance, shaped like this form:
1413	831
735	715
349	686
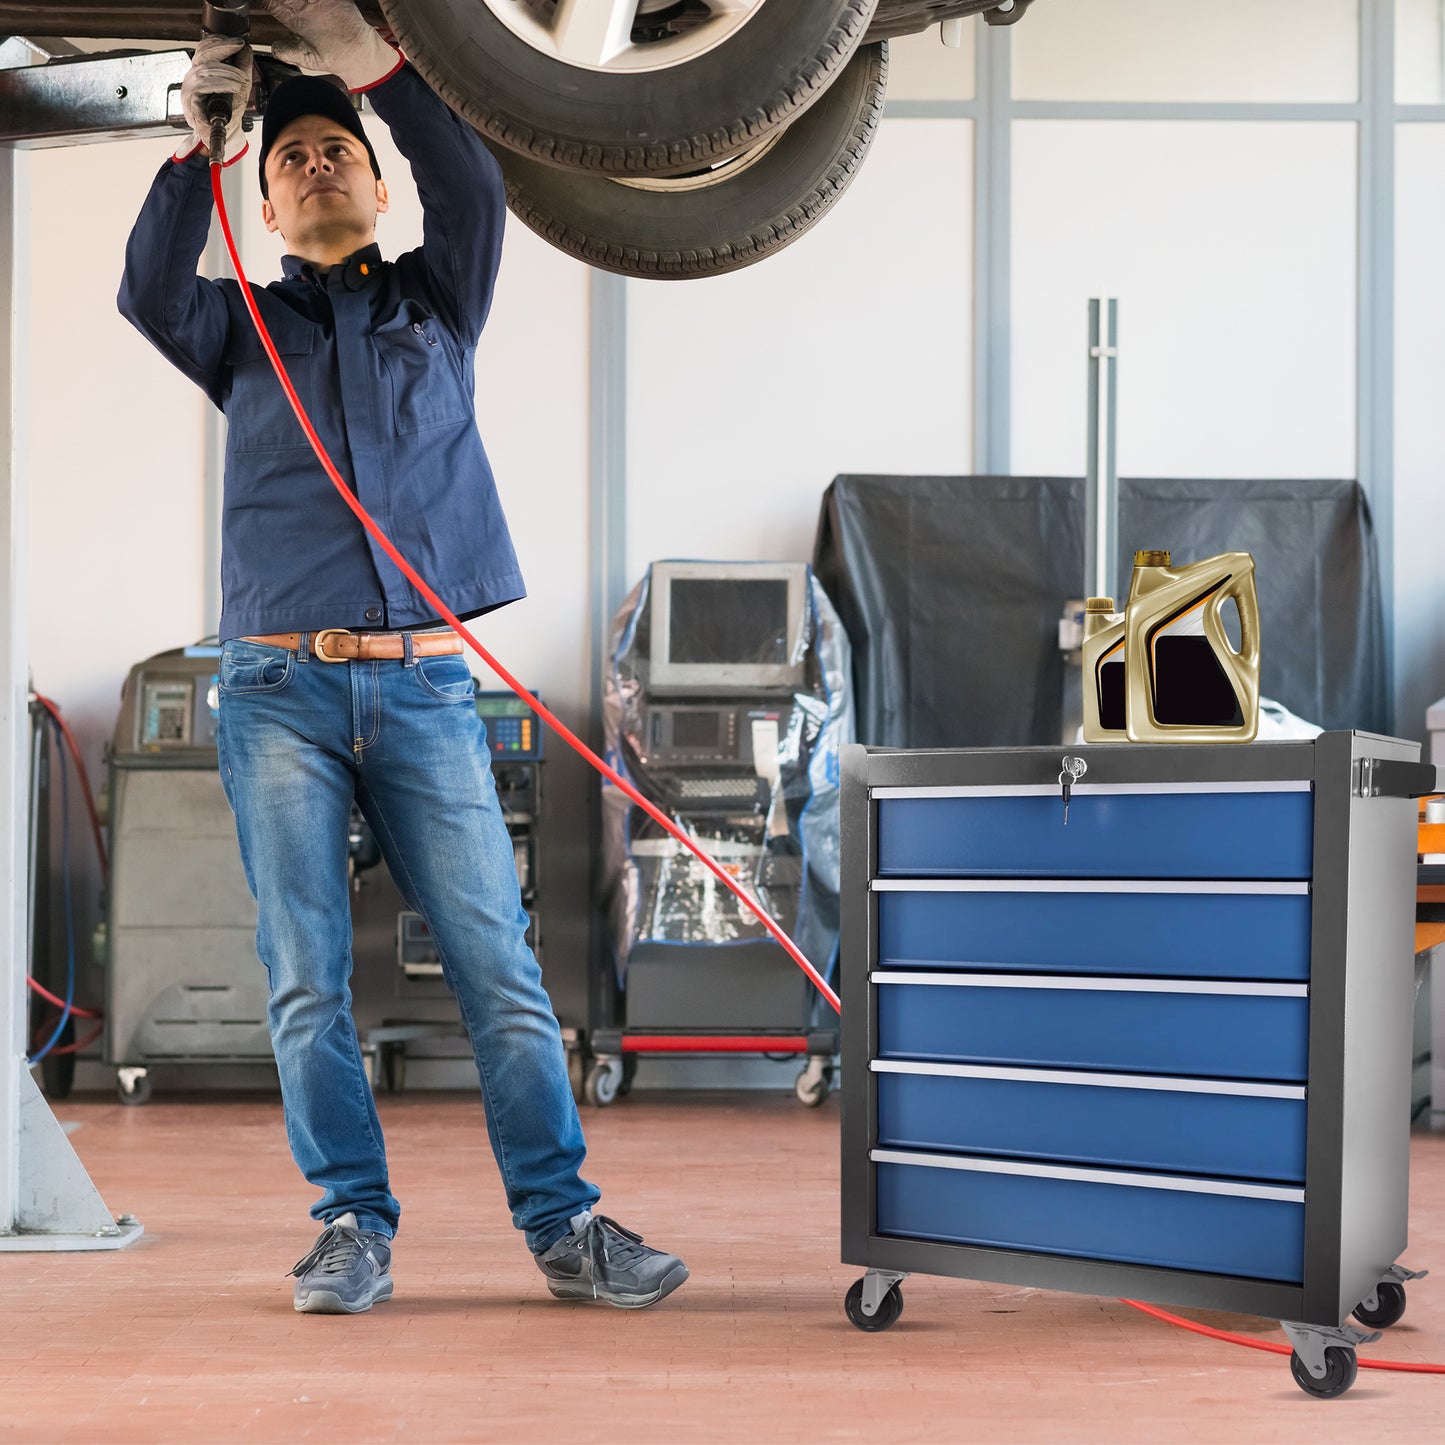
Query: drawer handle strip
1106	985
1091	1176
1081	1077
1084	790
1083	885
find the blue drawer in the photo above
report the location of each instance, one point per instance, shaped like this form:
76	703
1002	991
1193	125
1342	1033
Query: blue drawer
1251	1237
1112	833
1176	934
1096	1024
1073	1119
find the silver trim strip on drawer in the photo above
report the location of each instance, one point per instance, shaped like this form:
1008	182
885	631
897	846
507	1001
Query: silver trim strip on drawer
1098	1081
1116	984
1083	790
1090	1176
1082	885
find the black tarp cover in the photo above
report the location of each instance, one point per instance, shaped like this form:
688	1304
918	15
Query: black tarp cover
951	588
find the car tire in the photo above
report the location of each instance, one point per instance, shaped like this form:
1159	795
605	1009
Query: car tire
724	217
680	102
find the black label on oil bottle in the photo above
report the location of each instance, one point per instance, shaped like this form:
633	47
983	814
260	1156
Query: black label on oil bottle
1111	682
1190	685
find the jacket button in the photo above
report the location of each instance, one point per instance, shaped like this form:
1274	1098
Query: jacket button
373	614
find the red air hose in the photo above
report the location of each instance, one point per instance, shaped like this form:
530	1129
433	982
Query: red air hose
54	710
1402	1365
444	612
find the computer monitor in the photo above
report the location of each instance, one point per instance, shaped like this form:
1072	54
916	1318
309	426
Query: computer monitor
727	626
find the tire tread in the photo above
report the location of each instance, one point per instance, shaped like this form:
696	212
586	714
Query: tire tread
749	248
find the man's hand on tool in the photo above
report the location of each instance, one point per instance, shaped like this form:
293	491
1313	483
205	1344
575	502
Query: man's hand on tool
331	36
220	66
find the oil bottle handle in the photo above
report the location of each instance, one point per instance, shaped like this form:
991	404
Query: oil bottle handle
1246	599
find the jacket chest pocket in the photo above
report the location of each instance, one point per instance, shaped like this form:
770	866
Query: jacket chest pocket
421	366
259	417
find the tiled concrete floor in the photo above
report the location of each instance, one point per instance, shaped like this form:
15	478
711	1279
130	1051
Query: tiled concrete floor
189	1335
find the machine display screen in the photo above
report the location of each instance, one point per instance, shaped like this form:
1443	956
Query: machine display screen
696	729
717	620
513	729
166	719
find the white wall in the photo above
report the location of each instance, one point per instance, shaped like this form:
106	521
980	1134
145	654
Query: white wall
1172	50
1419	52
1231	247
921	67
850	351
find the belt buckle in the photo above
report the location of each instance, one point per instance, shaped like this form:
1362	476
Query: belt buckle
319	642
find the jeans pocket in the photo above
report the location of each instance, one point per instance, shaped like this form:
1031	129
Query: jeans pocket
254	667
446	677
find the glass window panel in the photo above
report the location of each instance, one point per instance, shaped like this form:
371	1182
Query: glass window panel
1420	52
1419	425
1162	50
1231	247
922	67
850	351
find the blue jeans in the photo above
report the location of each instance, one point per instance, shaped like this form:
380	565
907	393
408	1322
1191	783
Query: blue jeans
299	739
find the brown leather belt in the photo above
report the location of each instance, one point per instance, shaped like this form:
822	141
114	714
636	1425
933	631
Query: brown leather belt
336	644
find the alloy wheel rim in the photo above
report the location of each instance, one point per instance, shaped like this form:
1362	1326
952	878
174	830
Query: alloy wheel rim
624	36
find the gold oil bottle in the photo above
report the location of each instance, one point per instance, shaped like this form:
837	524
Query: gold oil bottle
1185	682
1105	687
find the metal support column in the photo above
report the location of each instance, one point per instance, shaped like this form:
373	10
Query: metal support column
47	1201
607	549
1376	304
1101	486
992	362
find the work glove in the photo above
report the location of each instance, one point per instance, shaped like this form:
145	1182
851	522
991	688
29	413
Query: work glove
221	65
332	37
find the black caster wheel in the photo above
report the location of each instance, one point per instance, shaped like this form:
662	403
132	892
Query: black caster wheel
629	1073
139	1091
393	1067
603	1083
1389	1307
889	1309
1340	1371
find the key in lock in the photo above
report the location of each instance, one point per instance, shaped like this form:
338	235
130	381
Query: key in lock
1072	770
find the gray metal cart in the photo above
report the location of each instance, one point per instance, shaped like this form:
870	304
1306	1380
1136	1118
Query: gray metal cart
1110	1054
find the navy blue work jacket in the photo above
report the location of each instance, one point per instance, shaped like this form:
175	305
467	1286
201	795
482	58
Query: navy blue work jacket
382	356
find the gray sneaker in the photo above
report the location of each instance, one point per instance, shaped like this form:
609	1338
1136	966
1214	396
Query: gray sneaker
600	1259
347	1271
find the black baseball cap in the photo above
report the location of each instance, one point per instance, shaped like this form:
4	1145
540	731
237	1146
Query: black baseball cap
309	95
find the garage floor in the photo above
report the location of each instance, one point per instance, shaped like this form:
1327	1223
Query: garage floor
189	1335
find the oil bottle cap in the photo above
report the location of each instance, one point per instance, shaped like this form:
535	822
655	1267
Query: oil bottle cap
1099	604
1151	559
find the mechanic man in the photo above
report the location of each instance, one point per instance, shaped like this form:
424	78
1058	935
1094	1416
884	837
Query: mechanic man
381	354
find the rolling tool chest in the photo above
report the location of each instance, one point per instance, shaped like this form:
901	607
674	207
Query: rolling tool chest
1144	1035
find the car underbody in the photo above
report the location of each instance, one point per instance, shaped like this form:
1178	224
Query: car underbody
180	19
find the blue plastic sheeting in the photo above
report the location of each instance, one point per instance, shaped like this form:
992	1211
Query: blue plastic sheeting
1109	835
1171	935
1213	1233
1227	1135
1192	1035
